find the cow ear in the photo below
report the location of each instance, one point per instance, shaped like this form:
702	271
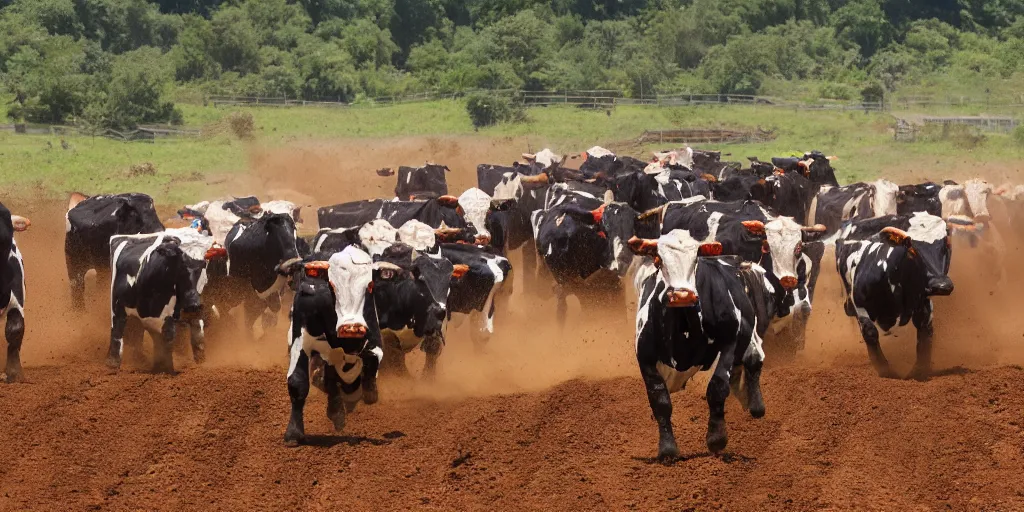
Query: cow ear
502	205
895	236
643	246
449	201
710	249
755	227
316	268
812	233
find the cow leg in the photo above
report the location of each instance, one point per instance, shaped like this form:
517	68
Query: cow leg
118	322
269	318
76	277
132	342
298	390
661	406
432	346
254	308
878	360
15	333
163	347
717	393
198	338
923	322
478	331
561	309
335	405
371	363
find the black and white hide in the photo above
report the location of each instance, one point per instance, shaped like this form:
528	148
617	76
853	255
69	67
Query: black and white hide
12	291
890	268
694	314
157	282
91	221
219	216
835	205
333	320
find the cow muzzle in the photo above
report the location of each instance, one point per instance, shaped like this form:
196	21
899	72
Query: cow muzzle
482	240
788	283
940	286
681	298
352	331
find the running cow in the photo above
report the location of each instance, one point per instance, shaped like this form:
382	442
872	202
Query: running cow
157	281
12	290
91	221
891	267
334	320
694	314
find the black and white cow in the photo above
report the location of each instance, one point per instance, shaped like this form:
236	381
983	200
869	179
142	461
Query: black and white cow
835	205
12	290
261	254
694	314
890	267
157	281
814	166
91	221
334	320
480	280
425	182
582	242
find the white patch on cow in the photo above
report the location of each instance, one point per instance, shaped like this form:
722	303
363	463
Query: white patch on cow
954	201
536	218
499	279
546	157
645	271
884	200
598	152
714	220
377	235
280	206
675	380
510	187
220	220
408	178
417	235
476	203
755	351
294	348
336	357
784	235
157	240
678	253
193	243
155	324
617	251
926	228
378	352
350	272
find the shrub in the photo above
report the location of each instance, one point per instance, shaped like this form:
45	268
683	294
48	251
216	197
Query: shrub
835	91
873	92
486	109
1018	135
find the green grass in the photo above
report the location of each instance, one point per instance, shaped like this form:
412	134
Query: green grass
93	165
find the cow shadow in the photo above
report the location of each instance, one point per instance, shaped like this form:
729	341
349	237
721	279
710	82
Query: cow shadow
726	457
328	441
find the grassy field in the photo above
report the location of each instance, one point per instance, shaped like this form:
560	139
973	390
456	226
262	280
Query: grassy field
863	141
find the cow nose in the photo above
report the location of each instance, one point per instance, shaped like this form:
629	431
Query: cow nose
351	331
939	286
681	298
788	282
482	239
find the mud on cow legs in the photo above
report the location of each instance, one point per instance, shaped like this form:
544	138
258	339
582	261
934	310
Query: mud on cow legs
15	333
163	347
923	322
661	406
717	393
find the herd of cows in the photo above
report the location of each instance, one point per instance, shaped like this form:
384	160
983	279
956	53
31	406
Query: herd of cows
717	253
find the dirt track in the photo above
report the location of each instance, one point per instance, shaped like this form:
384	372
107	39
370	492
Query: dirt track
545	419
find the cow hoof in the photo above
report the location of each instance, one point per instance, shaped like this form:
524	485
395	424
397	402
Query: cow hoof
667	450
757	411
113	363
199	357
887	373
370	394
293	439
717	437
920	374
338	420
14	376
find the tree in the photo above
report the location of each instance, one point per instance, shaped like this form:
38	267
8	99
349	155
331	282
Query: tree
135	94
863	23
48	80
235	41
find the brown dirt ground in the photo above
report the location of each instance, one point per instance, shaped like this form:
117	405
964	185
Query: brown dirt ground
545	418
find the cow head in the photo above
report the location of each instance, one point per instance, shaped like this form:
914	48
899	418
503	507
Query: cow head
618	221
419	236
978	192
185	271
926	245
477	205
922	197
784	241
281	243
350	274
676	254
377	235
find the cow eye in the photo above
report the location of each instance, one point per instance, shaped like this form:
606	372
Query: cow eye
798	249
387	273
